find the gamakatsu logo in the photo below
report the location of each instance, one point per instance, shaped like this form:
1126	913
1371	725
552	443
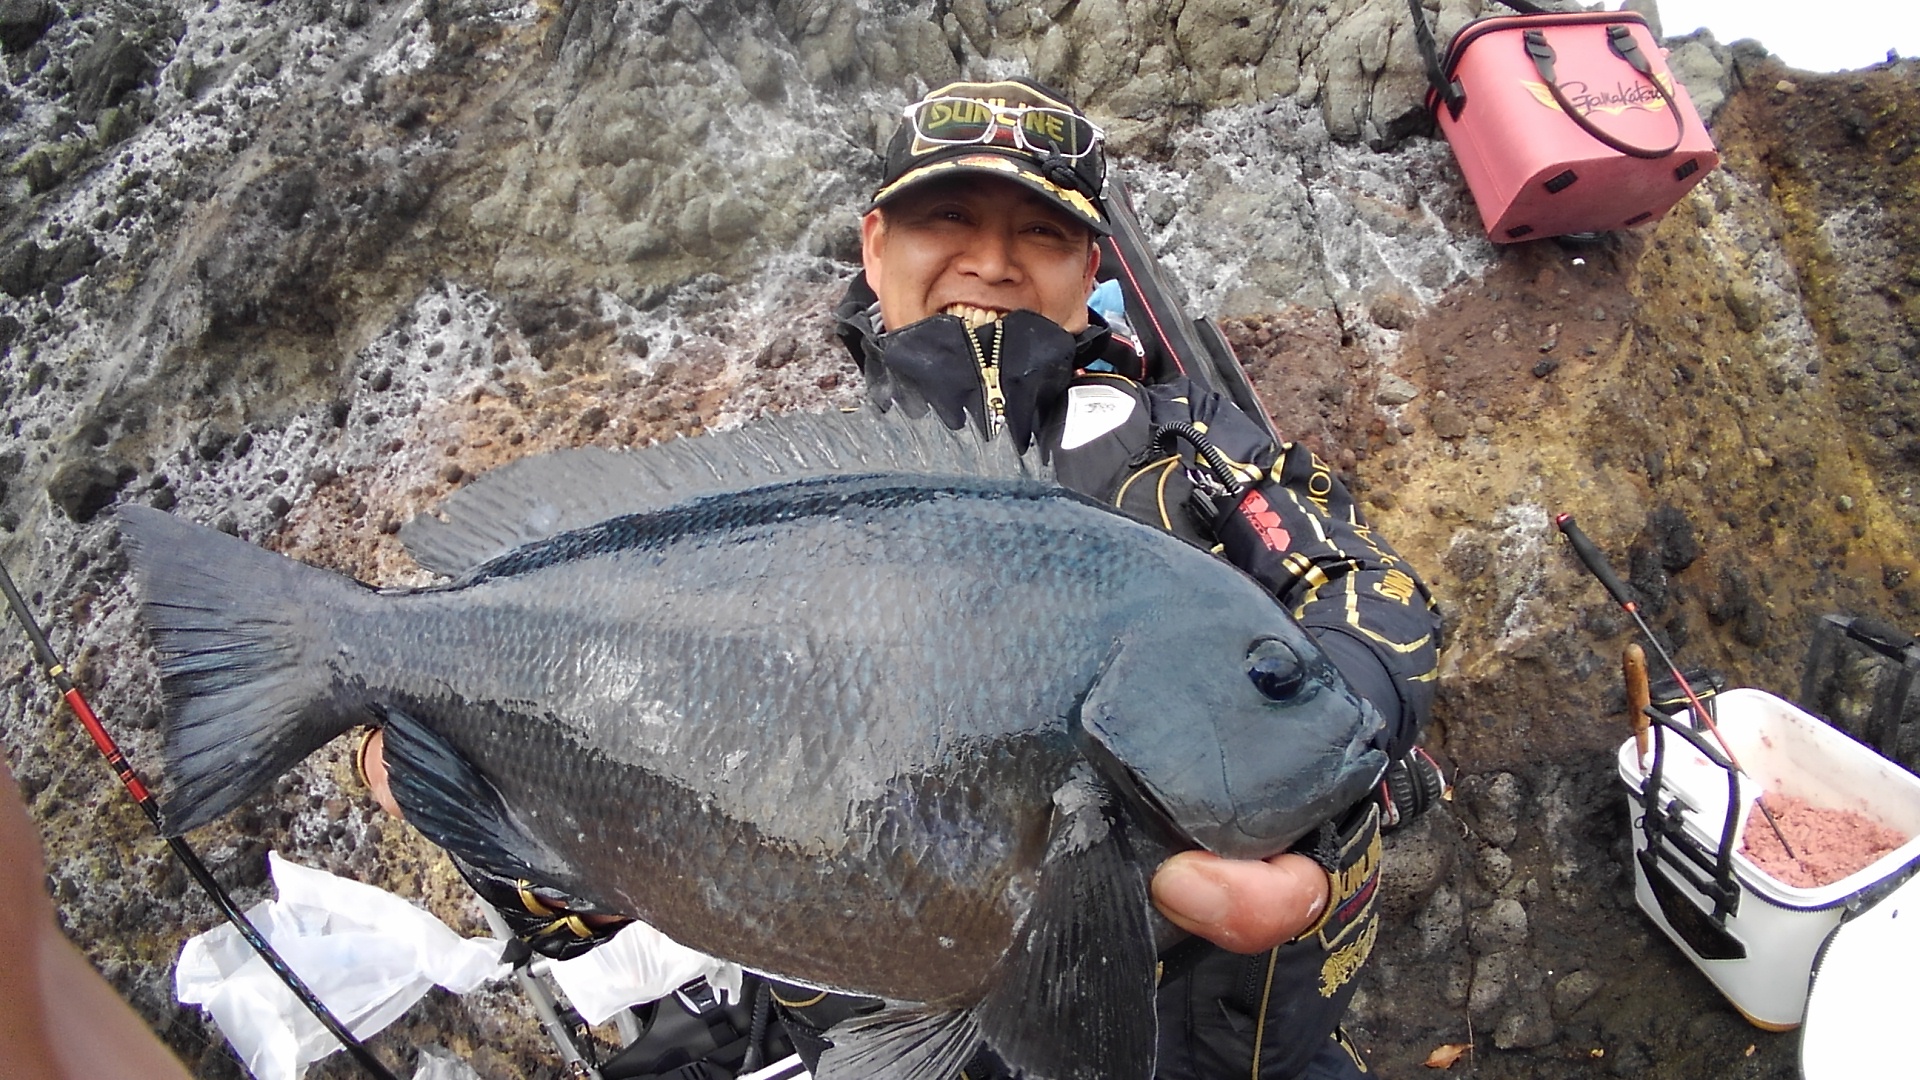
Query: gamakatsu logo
1621	98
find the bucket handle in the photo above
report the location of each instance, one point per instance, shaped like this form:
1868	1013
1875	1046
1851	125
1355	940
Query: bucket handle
1620	40
1707	935
1661	823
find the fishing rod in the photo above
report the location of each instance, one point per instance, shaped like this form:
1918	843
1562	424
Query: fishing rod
1597	565
143	797
1191	346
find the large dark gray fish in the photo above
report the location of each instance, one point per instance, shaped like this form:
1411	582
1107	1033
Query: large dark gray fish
852	700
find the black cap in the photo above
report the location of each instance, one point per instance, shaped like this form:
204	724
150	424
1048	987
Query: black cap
1016	129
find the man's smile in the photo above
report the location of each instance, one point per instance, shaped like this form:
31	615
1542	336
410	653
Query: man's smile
973	315
977	248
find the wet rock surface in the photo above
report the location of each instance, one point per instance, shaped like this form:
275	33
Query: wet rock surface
300	270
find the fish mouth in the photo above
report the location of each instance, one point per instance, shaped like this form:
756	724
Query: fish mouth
973	315
1360	766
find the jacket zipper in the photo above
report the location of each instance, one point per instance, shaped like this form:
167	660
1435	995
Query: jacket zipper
989	367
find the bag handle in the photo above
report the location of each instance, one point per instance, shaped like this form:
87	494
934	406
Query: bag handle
1450	90
1620	40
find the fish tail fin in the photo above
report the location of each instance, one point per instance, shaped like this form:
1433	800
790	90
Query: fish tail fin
243	671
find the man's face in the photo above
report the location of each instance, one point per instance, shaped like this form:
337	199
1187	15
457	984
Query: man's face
977	247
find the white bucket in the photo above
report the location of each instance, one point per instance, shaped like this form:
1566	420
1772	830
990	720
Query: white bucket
1779	927
1857	1014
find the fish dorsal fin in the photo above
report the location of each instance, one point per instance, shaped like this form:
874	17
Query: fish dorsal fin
548	494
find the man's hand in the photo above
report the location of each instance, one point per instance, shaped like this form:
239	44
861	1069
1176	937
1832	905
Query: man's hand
62	1021
1242	905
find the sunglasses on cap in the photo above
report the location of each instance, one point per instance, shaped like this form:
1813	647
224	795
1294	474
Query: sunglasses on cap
1039	130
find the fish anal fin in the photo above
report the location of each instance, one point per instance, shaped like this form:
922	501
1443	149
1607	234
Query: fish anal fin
900	1044
1075	995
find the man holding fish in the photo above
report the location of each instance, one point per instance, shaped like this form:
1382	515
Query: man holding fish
1148	725
992	205
989	215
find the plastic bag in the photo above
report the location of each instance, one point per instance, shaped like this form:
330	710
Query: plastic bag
640	964
368	955
439	1063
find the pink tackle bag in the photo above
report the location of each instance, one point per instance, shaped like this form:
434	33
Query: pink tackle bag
1564	122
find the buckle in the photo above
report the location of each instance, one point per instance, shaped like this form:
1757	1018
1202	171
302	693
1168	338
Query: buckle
697	997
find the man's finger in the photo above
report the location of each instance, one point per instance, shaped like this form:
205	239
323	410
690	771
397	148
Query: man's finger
372	766
1245	906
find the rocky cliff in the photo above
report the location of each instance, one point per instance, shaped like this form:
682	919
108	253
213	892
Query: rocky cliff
300	269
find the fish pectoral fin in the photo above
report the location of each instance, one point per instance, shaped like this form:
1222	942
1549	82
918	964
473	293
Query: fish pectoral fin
900	1044
453	805
1075	995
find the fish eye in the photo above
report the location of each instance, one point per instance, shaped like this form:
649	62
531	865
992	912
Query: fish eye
1276	670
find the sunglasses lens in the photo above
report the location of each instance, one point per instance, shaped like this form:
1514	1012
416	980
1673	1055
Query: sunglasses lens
953	120
1055	132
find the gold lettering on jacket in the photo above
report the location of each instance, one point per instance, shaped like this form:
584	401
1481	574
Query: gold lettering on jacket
1342	964
1319	484
1346	883
1395	585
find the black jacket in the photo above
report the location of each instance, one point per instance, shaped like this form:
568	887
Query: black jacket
1083	399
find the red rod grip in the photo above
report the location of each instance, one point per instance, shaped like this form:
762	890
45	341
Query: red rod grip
98	731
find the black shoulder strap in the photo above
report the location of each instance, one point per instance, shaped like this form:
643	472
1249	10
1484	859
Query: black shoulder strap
1448	90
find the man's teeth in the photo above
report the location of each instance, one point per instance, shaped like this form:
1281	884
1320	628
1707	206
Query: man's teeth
974	317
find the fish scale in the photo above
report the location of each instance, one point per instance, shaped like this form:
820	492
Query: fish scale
872	739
